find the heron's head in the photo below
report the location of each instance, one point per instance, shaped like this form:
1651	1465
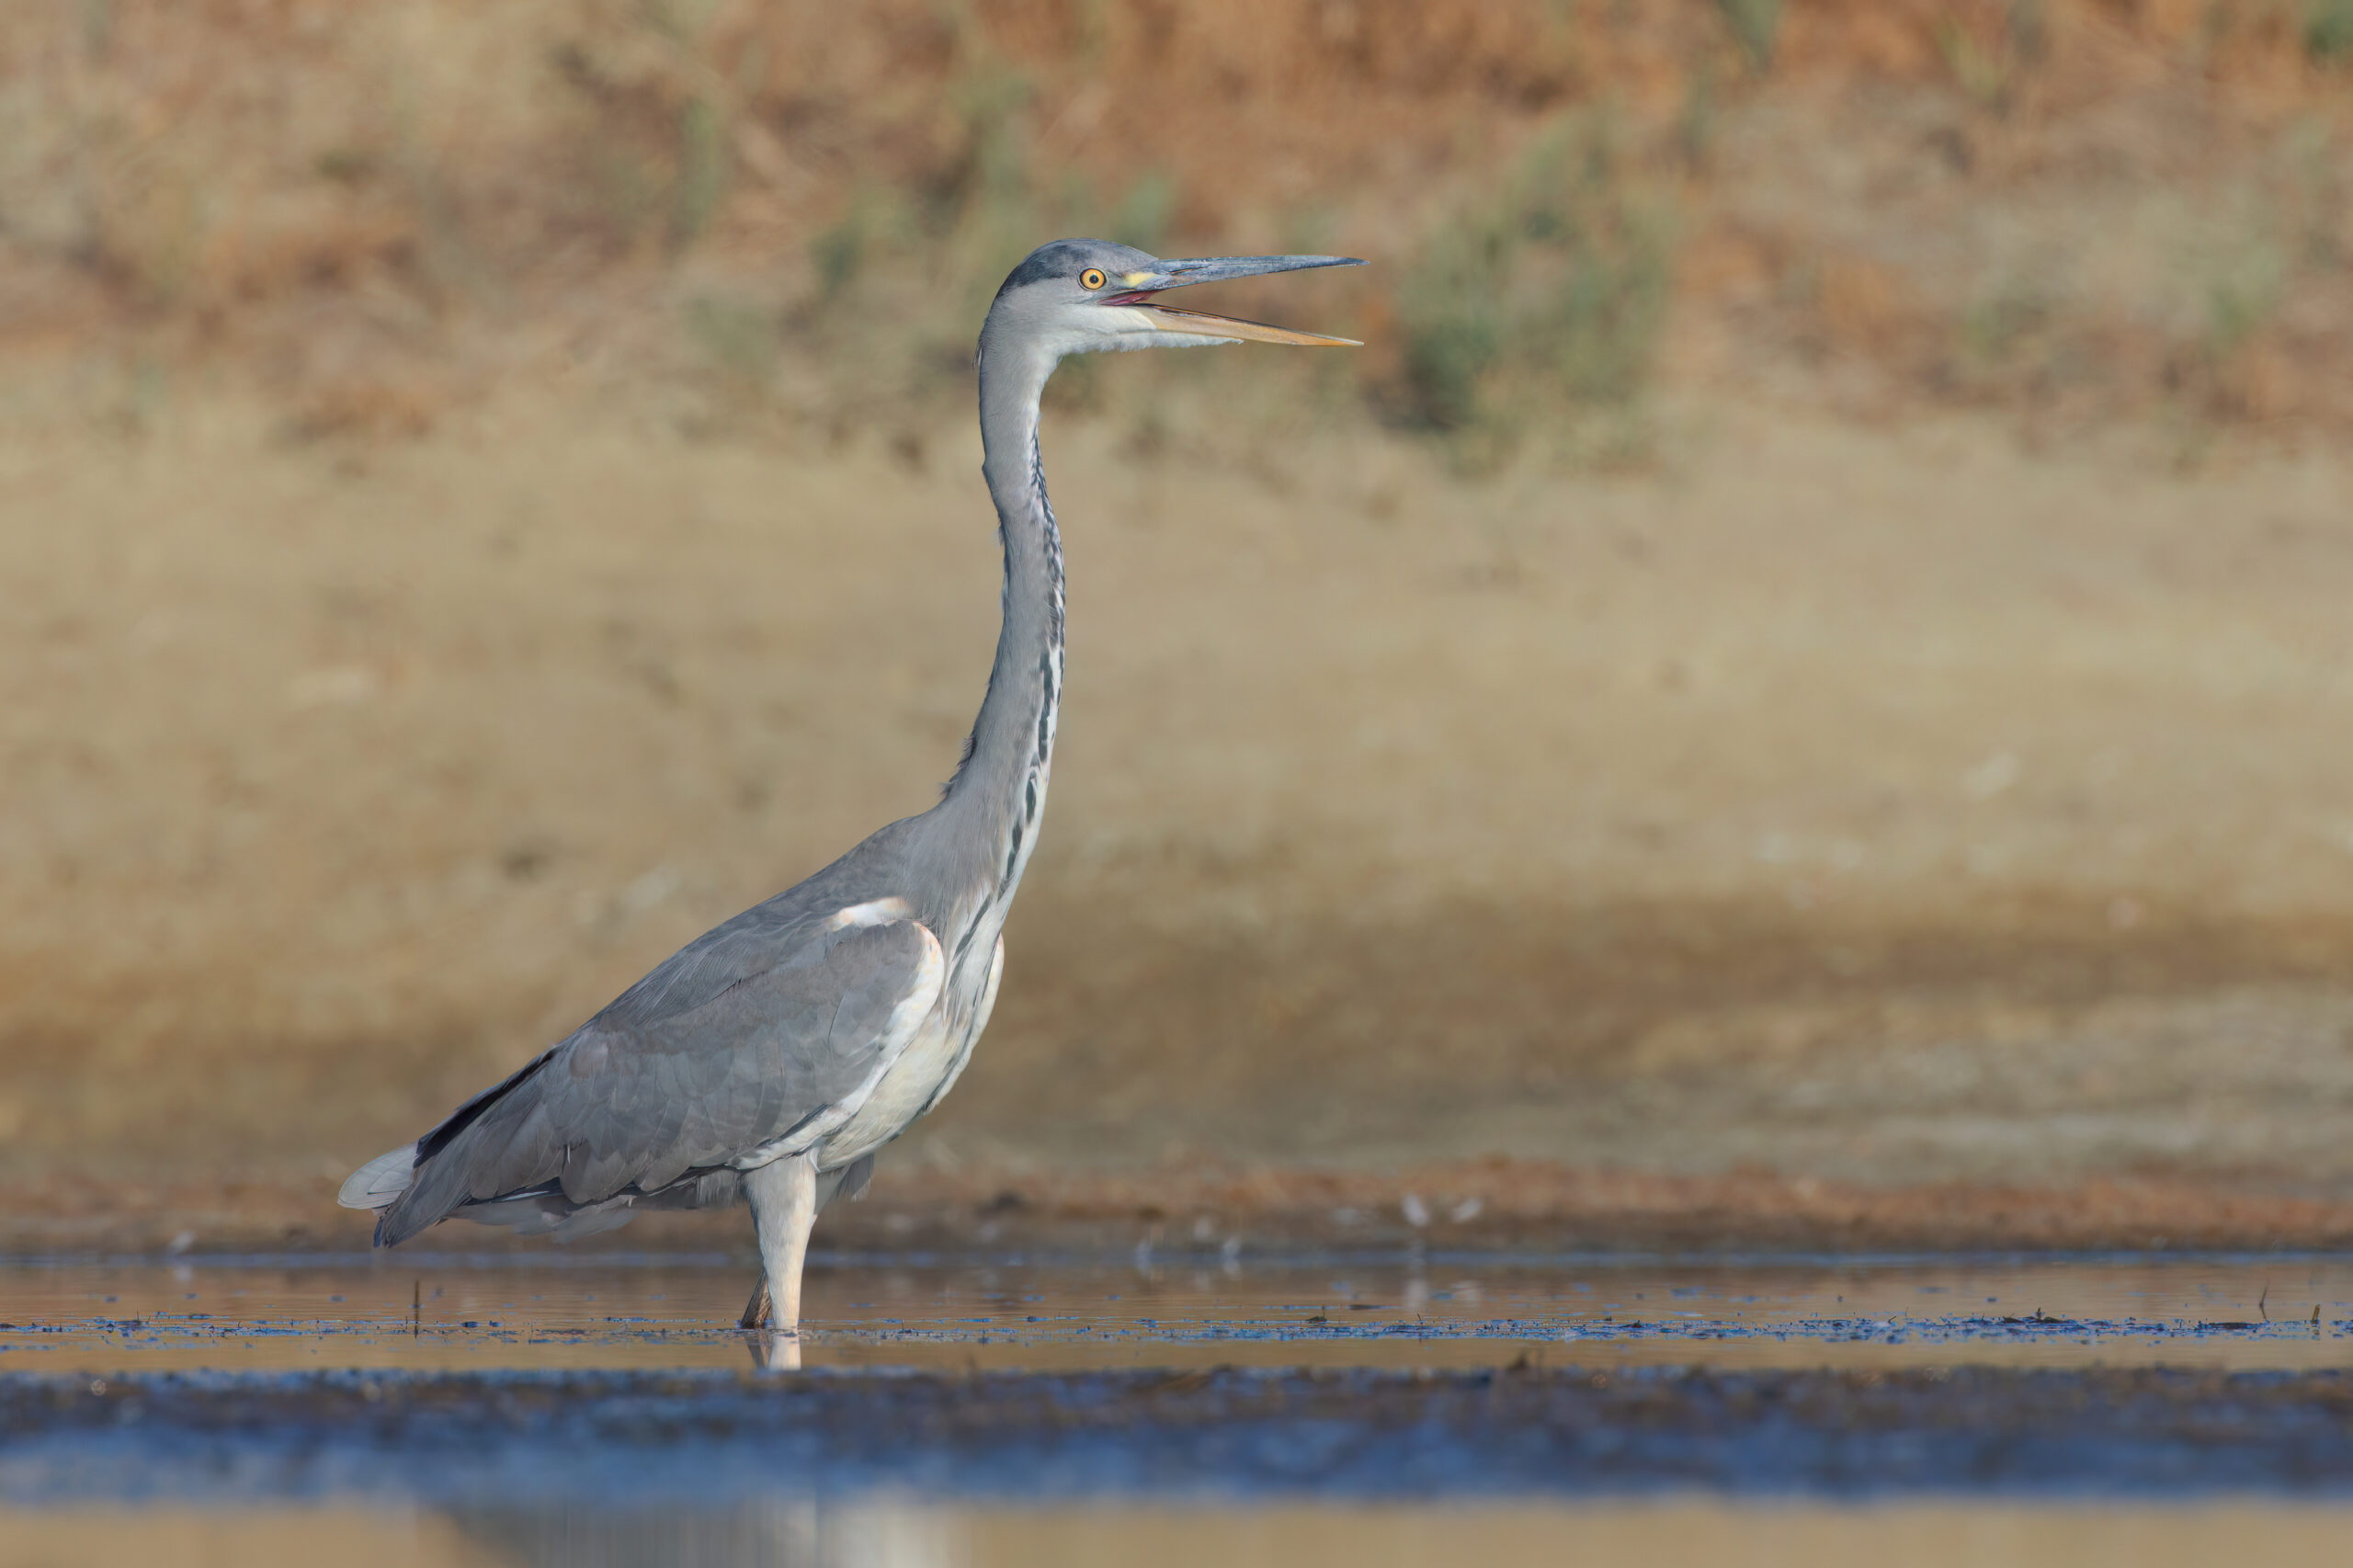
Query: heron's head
1082	296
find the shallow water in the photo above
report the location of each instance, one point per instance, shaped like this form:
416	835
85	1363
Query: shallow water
906	1533
553	1310
589	1409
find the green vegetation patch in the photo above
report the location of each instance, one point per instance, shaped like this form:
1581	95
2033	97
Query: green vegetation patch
1547	295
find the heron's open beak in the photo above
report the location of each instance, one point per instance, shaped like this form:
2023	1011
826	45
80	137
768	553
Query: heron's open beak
1140	288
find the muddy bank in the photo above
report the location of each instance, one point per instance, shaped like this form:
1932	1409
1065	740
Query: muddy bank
1193	1212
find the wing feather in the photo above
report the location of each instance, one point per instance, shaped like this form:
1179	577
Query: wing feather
729	1051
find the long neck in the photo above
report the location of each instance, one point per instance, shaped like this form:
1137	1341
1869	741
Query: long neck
999	791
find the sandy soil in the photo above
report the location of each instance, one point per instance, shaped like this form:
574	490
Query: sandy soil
1874	807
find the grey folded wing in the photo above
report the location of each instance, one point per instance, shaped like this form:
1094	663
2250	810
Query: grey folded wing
754	1040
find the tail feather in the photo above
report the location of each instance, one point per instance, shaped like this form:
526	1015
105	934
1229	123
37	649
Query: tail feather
376	1184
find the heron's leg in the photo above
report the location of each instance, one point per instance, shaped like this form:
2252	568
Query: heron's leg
783	1195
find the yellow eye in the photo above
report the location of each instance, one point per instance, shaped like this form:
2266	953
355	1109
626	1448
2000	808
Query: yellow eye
1091	278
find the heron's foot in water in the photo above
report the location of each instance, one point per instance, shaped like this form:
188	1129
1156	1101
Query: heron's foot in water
773	1349
773	1352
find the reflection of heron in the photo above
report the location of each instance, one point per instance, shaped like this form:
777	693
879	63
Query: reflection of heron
771	1057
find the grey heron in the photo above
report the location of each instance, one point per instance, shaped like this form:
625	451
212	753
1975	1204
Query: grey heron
772	1057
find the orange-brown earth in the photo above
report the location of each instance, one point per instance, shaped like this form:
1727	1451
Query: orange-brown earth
2069	209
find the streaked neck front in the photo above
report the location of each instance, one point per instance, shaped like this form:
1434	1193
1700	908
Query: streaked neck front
998	795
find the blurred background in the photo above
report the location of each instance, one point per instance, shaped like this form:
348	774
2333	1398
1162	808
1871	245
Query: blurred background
1812	642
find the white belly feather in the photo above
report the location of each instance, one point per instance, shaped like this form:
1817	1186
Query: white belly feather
920	1074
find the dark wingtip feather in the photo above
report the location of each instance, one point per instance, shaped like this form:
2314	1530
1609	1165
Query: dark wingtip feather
466	1114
